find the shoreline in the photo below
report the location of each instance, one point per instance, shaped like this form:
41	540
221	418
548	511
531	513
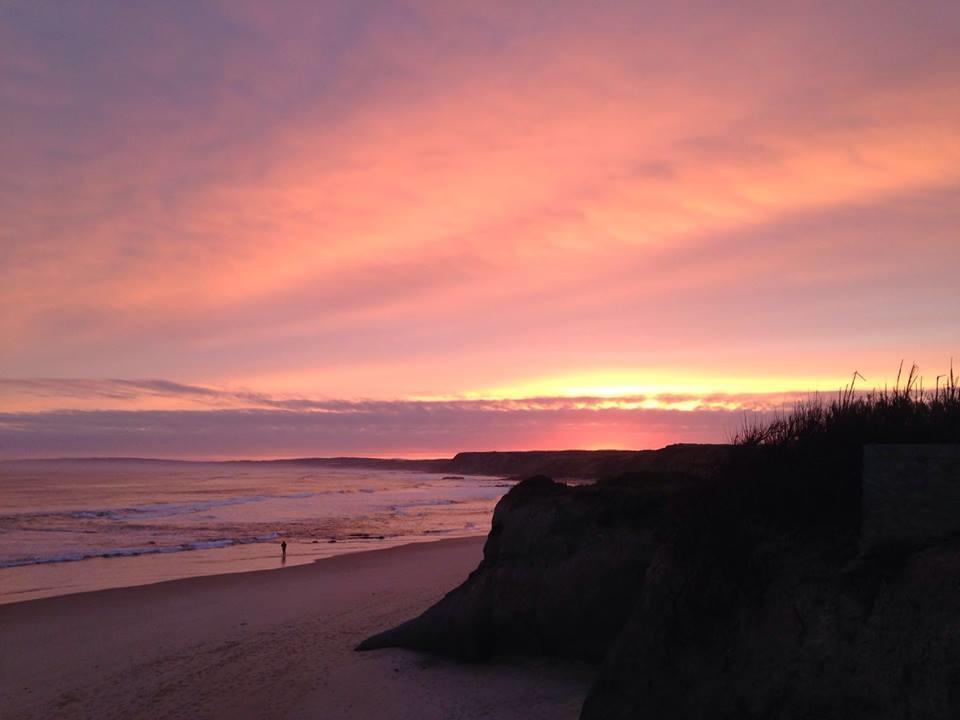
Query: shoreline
261	643
291	566
100	574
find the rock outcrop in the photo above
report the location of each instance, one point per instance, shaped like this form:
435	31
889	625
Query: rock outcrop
562	571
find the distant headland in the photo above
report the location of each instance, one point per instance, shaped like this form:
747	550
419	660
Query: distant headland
575	464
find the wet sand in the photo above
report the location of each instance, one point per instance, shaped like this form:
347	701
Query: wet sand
267	644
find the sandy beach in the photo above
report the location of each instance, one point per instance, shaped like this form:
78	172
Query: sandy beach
267	644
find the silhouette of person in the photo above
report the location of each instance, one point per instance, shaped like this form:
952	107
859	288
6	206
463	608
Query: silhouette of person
283	548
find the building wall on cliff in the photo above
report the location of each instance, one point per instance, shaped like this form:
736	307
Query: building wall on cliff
911	494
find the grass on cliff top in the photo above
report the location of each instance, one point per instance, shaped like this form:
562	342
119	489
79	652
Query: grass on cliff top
804	468
907	413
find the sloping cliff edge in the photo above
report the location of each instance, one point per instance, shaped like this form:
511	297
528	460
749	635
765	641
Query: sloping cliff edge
713	596
561	573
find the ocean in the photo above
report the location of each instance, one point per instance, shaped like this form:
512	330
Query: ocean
71	526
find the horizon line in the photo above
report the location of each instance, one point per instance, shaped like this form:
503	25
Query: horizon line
307	458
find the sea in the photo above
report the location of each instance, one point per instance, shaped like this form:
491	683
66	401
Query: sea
69	526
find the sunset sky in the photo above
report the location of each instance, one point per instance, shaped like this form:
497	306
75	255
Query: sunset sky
258	229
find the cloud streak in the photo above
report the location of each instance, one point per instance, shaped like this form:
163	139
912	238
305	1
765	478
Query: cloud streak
72	394
192	421
425	199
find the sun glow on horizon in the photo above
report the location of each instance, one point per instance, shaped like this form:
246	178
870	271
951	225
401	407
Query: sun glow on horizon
614	384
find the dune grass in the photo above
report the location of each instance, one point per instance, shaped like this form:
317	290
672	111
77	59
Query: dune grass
907	413
802	470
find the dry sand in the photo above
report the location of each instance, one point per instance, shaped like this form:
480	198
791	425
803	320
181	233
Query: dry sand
268	644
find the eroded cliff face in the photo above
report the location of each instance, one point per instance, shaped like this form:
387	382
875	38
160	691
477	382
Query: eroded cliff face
745	596
562	571
789	632
767	602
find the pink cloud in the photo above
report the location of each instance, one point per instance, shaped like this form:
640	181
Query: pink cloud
432	198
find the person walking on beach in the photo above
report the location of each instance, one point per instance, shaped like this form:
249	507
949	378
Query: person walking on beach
283	549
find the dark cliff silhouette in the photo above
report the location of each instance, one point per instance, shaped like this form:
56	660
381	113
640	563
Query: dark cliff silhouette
743	593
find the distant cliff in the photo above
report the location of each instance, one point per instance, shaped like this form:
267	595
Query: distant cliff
693	459
582	464
561	464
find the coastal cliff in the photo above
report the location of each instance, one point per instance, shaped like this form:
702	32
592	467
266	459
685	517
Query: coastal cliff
798	632
562	571
762	606
781	583
563	565
692	614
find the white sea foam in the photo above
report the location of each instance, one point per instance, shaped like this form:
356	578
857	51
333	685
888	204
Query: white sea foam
65	512
162	510
135	551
